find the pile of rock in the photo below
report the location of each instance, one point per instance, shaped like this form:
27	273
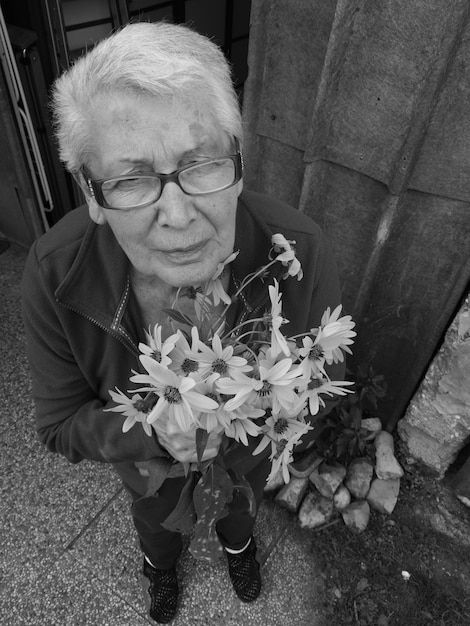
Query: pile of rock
319	491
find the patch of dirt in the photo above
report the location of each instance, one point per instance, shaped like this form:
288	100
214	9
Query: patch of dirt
411	568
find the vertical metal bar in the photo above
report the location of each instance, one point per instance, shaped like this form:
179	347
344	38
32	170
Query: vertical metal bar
55	21
123	12
25	126
115	14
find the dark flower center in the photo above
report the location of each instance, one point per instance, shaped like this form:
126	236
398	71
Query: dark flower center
281	426
280	446
316	353
265	389
268	319
157	355
147	404
212	396
172	395
192	292
219	366
188	365
314	384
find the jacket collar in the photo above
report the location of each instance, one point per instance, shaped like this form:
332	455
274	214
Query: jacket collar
97	283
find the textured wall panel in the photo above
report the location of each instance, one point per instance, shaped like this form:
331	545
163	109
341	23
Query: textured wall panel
292	67
348	206
419	278
443	165
384	64
288	42
390	112
279	167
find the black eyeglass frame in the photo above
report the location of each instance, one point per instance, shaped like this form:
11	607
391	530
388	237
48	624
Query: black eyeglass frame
95	186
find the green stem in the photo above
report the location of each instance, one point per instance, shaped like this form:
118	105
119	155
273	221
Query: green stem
247	280
250	321
309	334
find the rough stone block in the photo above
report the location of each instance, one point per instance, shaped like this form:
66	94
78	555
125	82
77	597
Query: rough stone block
305	466
371	424
386	465
356	515
460	483
327	478
358	478
383	495
315	510
439	452
290	496
342	498
437	423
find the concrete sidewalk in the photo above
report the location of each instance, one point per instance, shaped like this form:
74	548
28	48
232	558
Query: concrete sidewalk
68	550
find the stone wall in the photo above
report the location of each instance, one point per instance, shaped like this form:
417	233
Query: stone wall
436	425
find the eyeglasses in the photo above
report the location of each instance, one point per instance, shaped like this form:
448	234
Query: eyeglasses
141	190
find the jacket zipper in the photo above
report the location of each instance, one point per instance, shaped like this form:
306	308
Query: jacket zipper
117	334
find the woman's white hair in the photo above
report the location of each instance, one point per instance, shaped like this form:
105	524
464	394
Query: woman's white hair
157	59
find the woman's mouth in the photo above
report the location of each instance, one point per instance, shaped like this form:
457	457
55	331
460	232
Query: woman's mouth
186	251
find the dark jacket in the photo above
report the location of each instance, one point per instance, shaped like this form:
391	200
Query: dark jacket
83	325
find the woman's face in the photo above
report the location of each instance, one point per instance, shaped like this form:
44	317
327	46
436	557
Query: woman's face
179	239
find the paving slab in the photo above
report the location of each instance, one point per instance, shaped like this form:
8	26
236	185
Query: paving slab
292	586
15	383
45	502
108	547
69	594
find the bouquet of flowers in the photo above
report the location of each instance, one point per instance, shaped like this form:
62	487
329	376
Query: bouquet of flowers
241	382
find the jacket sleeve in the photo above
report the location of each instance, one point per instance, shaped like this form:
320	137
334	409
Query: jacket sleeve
69	413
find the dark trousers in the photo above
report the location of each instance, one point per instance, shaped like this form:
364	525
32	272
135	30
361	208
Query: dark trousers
163	547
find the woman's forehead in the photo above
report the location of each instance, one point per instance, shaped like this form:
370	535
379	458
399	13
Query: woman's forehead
130	108
134	129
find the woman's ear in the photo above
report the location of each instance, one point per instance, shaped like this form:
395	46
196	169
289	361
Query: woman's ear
95	211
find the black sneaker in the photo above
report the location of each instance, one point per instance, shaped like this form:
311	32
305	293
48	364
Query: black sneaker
243	569
161	595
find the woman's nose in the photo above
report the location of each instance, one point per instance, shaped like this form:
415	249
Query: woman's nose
174	208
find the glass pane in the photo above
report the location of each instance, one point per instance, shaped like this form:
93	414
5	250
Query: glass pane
86	37
208	18
155	15
80	11
136	5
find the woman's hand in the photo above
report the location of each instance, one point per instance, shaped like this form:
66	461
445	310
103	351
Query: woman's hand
182	445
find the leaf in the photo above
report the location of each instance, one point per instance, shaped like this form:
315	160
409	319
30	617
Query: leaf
241	485
158	470
202	436
211	495
352	447
183	516
341	446
178	317
356	416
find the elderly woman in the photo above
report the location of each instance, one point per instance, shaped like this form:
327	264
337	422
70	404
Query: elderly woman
148	123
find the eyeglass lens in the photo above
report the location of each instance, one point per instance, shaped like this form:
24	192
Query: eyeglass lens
200	178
